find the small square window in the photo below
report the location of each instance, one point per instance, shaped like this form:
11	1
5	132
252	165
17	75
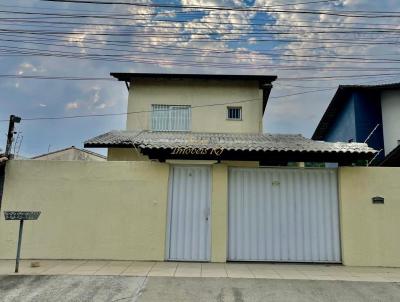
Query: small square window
235	113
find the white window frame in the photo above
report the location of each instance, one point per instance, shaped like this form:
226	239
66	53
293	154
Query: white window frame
234	119
171	111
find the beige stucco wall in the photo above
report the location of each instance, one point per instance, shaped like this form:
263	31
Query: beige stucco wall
90	210
144	93
99	210
370	232
118	210
219	213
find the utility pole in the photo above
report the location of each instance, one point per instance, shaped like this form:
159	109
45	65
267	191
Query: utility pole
13	119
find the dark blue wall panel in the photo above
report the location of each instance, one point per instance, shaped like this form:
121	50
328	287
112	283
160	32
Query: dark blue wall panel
355	120
343	127
368	115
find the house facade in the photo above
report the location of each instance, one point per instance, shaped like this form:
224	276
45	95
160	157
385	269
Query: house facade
209	117
194	178
362	113
231	195
193	104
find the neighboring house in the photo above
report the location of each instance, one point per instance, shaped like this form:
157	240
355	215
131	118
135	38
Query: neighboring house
71	153
207	130
365	112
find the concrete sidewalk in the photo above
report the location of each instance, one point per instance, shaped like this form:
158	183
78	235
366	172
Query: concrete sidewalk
69	288
205	270
37	288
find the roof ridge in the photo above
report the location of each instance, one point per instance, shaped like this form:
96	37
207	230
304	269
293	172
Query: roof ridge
219	133
67	148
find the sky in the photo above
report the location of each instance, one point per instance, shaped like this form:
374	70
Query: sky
312	46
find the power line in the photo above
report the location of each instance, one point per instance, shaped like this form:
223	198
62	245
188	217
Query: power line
126	57
283	57
198	20
64	78
342	41
222	33
134	59
299	78
148	111
390	42
241	28
193	107
125	43
367	14
265	29
203	31
91	11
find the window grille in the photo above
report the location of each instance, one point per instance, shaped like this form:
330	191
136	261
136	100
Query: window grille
171	118
234	113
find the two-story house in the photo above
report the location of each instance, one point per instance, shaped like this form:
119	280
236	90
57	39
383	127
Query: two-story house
365	113
230	195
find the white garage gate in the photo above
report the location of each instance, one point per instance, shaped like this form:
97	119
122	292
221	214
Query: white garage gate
283	214
189	233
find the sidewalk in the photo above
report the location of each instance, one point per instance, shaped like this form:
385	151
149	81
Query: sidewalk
184	269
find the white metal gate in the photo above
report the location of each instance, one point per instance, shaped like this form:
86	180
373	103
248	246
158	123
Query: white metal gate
282	214
189	214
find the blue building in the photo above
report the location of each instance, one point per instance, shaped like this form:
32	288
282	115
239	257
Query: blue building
365	113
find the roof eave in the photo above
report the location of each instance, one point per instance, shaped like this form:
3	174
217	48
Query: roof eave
320	131
129	76
343	158
392	159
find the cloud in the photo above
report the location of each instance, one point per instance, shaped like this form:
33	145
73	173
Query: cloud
72	106
101	106
28	66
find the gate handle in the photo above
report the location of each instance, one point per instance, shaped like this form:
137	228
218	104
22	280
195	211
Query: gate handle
207	213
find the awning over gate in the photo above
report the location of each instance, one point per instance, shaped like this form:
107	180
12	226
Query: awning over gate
268	148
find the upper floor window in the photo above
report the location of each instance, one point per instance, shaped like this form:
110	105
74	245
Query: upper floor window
171	118
234	113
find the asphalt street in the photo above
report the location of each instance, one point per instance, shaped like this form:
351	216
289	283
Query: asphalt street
154	289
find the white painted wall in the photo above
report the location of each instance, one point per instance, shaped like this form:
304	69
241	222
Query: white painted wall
145	92
390	101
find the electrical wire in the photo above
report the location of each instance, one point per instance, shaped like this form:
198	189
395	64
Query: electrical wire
135	56
148	111
197	19
361	14
219	55
192	107
298	78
